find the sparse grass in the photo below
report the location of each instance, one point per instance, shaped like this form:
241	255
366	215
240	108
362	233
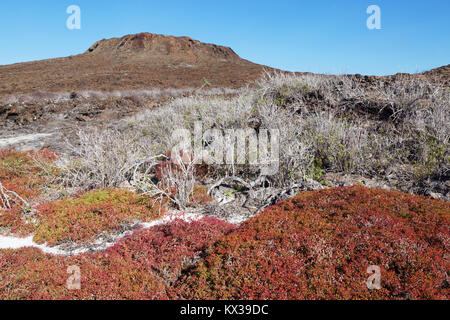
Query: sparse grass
138	95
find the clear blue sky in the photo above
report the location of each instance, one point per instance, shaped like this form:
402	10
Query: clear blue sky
321	36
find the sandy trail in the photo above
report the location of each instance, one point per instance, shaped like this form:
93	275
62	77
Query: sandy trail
25	139
101	244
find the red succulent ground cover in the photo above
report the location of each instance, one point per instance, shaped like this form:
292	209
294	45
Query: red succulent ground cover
102	210
319	245
82	219
19	172
141	266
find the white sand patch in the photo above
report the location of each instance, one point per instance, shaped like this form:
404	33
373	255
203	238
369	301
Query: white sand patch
6	142
101	244
185	216
17	243
238	219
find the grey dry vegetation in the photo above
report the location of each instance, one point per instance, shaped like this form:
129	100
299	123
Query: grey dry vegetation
395	130
140	95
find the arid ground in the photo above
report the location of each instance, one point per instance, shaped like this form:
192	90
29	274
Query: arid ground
96	204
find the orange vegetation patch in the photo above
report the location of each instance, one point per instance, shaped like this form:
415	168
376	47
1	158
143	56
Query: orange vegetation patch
103	210
319	245
21	173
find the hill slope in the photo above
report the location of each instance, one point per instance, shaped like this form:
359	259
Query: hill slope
132	62
142	61
441	74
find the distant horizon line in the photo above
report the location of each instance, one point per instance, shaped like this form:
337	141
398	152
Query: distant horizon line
189	37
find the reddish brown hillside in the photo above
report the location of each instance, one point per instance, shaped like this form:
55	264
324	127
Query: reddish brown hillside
163	49
441	74
132	62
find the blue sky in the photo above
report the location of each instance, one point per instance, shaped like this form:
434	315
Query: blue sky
318	36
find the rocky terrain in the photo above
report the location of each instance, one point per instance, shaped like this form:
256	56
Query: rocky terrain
88	177
441	75
133	62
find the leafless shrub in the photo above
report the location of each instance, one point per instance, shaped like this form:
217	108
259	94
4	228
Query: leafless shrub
431	114
420	109
8	198
110	158
182	113
102	158
284	88
405	96
337	145
176	183
295	153
292	88
304	140
311	141
402	95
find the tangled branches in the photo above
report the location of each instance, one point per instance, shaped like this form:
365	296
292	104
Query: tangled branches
8	198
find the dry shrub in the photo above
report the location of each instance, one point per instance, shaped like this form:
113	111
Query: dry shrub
319	133
102	159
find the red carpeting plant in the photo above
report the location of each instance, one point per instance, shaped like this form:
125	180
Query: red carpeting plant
141	266
319	245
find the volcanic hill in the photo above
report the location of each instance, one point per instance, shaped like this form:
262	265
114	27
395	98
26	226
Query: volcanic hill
137	61
441	74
